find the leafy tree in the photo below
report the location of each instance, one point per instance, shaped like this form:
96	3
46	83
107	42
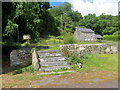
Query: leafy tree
29	18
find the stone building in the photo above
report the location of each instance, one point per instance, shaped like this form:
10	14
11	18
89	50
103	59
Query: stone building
84	34
98	37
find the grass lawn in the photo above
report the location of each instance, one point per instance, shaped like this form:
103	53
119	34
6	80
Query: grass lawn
100	62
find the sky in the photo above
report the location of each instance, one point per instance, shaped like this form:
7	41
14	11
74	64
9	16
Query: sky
108	7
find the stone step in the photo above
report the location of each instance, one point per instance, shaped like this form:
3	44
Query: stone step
48	73
54	68
49	51
52	59
41	55
57	63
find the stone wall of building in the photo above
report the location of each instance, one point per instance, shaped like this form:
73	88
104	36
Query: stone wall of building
81	49
83	36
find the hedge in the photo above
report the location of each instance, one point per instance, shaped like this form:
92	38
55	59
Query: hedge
112	37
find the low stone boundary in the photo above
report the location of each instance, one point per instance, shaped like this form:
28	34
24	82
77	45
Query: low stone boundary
81	49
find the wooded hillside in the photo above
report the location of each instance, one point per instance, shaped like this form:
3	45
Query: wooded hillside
40	20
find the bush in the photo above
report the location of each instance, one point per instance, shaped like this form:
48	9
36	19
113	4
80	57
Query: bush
74	59
60	37
116	33
100	41
69	39
112	37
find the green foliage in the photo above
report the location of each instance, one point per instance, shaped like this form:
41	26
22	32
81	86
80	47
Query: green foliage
69	39
112	37
17	72
75	67
99	41
60	37
28	18
65	18
74	59
117	33
32	50
26	69
40	21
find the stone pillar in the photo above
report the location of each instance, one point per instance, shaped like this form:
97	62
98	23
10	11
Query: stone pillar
35	61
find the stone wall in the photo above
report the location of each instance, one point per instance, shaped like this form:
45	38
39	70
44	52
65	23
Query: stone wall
81	49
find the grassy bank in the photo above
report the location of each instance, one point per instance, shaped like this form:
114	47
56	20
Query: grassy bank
100	62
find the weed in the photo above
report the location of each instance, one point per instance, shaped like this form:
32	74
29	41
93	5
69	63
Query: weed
74	59
62	69
25	69
99	41
17	72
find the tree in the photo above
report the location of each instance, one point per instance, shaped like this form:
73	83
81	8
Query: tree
31	17
65	17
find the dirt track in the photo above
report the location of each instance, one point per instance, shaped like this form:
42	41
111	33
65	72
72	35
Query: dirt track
102	79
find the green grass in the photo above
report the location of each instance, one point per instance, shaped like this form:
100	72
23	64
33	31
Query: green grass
54	43
65	73
100	62
16	71
60	70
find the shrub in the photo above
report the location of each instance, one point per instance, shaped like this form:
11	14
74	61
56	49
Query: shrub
74	59
100	41
69	39
112	37
116	33
60	37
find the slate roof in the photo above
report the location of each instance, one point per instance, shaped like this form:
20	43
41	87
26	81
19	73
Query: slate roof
86	30
98	36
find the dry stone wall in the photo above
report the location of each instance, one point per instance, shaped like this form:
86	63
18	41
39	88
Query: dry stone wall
81	49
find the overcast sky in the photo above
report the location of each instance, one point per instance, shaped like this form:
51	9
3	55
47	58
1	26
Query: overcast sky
94	6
